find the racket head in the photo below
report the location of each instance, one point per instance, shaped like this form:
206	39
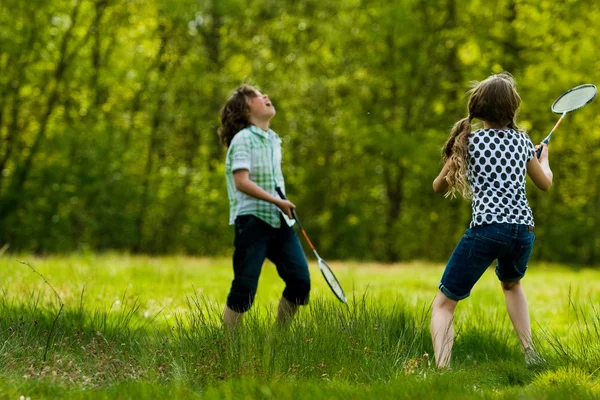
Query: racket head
574	99
332	281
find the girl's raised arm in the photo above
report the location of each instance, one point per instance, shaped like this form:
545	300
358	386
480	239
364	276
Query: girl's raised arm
539	170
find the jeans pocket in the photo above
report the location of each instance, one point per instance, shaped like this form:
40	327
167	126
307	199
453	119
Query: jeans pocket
492	240
492	234
242	224
525	249
486	245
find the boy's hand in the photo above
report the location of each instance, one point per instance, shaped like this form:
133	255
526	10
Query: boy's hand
286	206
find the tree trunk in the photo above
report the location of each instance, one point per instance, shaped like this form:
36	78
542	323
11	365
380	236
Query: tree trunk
11	201
212	38
152	146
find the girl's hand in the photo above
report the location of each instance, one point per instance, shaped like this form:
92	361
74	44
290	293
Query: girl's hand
286	206
539	170
544	155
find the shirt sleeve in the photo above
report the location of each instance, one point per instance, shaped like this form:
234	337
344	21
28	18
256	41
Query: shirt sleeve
529	148
239	154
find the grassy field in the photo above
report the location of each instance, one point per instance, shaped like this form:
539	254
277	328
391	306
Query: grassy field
140	327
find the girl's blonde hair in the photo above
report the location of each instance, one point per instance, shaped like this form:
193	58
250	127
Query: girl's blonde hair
494	100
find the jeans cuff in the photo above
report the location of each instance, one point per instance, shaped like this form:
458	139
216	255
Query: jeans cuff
451	295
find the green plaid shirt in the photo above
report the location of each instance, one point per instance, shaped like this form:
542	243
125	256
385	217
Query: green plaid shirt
259	152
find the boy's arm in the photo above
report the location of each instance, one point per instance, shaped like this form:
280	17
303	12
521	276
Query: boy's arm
241	178
440	184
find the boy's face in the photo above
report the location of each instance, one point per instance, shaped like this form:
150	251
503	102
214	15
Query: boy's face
261	107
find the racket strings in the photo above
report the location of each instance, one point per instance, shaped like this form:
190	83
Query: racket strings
332	280
574	99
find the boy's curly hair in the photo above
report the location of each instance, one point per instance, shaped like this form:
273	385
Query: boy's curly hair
234	114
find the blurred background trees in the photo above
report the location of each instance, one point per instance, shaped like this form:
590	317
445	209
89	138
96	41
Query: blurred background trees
109	113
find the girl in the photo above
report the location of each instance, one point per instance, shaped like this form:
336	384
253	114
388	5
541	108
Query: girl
263	221
489	166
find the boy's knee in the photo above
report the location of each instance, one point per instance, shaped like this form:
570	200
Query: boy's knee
242	294
510	285
298	292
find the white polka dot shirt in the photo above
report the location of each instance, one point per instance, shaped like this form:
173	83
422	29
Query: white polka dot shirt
496	171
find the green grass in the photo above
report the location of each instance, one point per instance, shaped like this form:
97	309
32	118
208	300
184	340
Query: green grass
140	327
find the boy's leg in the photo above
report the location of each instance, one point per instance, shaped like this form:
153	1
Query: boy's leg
286	311
286	253
251	243
442	331
232	318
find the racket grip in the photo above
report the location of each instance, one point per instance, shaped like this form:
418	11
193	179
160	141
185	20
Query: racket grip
282	195
538	153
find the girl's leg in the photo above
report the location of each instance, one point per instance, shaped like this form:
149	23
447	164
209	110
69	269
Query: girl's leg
510	271
518	310
472	256
442	331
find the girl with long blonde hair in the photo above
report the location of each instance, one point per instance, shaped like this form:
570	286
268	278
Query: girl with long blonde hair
489	166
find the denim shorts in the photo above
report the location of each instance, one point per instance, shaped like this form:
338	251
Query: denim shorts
510	244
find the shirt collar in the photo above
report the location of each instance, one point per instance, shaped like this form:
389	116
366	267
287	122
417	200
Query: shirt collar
260	132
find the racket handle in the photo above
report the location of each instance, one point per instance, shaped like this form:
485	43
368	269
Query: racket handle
547	139
280	193
538	153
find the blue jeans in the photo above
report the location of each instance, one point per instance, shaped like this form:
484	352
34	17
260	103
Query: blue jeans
510	244
256	240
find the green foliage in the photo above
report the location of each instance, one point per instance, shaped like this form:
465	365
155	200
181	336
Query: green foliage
109	112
